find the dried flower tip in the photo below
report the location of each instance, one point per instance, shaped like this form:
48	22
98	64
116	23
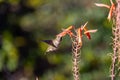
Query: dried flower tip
84	25
102	5
111	2
90	31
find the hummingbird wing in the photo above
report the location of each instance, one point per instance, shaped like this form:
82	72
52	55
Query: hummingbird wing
49	42
56	43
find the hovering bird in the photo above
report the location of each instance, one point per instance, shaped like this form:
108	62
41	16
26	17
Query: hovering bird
53	44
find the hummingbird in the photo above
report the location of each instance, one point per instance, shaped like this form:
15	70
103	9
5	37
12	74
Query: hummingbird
53	44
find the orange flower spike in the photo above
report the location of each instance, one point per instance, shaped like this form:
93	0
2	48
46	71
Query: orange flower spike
65	31
79	35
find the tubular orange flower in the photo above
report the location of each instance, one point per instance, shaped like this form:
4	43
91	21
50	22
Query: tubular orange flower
112	8
86	31
79	35
65	31
70	33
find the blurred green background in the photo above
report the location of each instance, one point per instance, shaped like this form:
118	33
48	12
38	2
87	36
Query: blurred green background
23	23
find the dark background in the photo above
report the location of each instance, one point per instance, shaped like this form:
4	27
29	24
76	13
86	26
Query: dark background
24	23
